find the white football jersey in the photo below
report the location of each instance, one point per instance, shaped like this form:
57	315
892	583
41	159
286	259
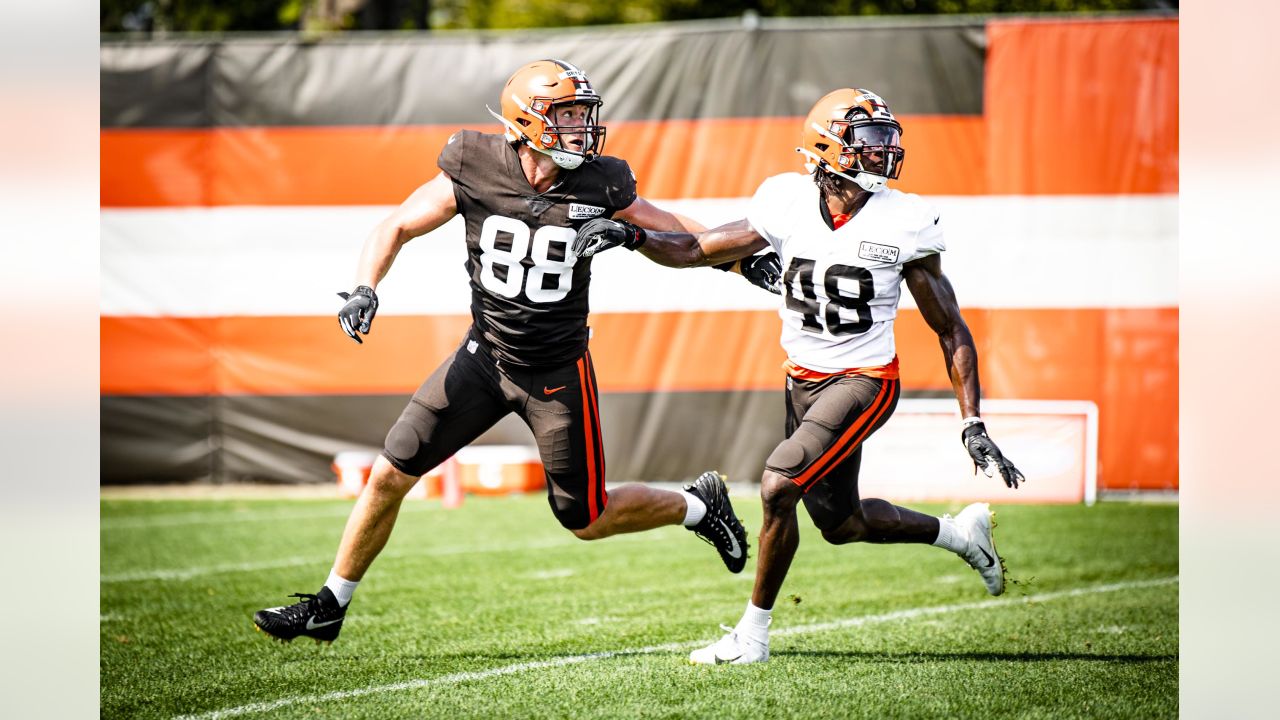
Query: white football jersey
841	287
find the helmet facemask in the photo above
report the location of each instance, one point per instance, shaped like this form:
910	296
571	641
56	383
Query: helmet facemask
557	140
871	153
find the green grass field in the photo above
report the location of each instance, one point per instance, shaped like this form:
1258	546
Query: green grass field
492	610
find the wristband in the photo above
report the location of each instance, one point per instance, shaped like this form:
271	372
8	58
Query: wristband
638	237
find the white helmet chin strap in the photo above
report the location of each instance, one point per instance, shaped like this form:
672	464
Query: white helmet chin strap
868	181
566	160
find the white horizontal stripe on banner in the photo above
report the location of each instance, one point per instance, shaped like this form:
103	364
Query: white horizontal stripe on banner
1002	252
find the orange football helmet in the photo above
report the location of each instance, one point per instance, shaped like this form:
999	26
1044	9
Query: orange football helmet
851	133
529	100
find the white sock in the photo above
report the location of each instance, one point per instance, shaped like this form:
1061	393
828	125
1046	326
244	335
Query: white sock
755	623
951	537
694	509
341	587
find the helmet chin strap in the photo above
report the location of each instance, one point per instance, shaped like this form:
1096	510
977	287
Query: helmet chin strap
566	160
870	182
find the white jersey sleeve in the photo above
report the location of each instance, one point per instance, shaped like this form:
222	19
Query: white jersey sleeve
771	210
929	236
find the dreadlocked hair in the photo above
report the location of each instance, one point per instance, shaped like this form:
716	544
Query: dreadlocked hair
826	182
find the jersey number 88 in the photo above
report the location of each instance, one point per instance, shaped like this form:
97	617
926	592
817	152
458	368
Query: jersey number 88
510	285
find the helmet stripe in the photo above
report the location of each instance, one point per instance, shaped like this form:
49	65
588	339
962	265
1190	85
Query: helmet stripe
572	73
582	89
568	67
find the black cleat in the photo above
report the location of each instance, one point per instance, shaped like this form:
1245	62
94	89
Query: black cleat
316	616
720	526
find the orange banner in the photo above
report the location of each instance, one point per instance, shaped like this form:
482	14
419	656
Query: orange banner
1083	108
382	165
1125	360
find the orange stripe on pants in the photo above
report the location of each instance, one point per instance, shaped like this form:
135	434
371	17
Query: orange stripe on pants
849	441
602	494
592	510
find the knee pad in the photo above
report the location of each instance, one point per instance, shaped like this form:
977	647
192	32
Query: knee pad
787	458
404	446
402	442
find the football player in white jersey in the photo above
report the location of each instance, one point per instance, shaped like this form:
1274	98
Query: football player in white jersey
846	242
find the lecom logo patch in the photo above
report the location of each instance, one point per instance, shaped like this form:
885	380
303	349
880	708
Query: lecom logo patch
578	211
877	252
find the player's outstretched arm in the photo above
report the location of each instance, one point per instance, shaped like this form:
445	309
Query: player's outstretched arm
677	241
645	214
429	207
937	301
723	244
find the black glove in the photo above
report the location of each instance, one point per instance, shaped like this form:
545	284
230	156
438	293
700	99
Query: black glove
358	313
601	234
763	271
986	455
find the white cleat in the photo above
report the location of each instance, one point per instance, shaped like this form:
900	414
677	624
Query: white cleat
976	521
733	649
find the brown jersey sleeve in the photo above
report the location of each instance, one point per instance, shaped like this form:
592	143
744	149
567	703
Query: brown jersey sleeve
619	183
453	154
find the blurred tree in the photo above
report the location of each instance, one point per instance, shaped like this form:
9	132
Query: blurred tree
248	15
196	15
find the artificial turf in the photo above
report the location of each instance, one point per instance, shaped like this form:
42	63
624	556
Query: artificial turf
492	610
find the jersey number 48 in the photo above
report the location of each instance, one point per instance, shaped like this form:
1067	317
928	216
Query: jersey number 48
799	276
495	261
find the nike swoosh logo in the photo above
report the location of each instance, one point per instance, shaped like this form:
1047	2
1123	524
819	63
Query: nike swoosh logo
313	625
735	552
990	560
551	391
723	661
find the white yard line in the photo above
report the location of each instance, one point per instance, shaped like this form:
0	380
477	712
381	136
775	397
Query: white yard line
673	647
190	572
180	519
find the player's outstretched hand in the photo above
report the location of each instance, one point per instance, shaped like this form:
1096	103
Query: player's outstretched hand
987	456
601	234
763	271
357	314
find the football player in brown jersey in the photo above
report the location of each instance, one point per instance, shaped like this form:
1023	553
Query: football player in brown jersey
522	196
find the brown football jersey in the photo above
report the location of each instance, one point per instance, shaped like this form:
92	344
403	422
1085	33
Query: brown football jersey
528	289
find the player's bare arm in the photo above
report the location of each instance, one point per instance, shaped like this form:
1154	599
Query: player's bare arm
937	301
730	247
726	243
429	207
653	218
